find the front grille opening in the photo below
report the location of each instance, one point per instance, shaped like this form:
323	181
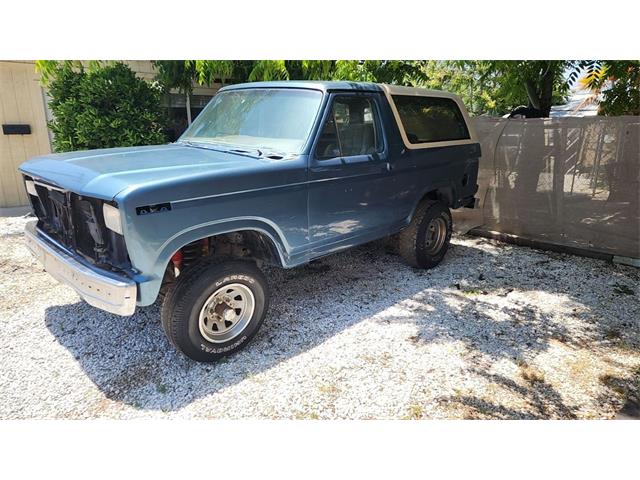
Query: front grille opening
77	222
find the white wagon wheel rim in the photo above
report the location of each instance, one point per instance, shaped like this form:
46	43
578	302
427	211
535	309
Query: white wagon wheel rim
226	313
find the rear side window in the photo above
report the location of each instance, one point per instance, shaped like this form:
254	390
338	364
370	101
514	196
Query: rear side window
430	119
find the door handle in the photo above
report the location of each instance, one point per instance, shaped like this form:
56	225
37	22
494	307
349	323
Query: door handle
388	166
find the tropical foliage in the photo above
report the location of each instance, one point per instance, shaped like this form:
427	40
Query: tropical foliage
493	87
90	100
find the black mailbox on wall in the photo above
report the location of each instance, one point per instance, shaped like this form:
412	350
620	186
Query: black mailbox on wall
16	129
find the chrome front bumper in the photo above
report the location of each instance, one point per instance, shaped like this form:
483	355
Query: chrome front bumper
102	289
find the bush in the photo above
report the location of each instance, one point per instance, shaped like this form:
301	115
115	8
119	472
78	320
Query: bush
107	106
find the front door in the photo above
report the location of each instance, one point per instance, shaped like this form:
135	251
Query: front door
350	183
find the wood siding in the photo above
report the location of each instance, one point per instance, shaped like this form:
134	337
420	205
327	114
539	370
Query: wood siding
21	101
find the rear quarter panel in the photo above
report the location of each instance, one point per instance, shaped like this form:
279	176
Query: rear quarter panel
452	170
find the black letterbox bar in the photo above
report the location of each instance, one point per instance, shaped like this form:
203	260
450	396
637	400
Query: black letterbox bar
16	129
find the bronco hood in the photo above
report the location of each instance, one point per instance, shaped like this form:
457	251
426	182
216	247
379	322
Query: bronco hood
104	173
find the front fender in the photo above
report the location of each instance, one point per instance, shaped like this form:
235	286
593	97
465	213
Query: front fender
151	286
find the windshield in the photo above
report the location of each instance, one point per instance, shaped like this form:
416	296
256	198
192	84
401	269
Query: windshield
261	118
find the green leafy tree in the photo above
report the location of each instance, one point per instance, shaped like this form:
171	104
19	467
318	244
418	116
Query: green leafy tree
494	87
210	71
265	70
497	86
542	81
400	72
615	85
317	69
385	71
107	106
179	75
482	90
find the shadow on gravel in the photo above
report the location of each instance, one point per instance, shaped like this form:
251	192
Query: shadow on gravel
628	390
542	399
130	360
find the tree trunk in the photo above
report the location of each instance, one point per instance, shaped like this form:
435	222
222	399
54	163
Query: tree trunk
540	90
546	89
532	93
188	98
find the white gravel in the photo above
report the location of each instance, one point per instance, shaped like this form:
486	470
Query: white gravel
497	331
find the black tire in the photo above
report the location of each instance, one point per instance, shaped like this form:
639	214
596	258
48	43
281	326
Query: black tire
414	244
183	303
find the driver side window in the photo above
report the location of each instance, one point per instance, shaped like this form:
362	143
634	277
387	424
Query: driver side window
350	130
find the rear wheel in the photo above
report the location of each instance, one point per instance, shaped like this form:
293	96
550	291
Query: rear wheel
424	243
215	308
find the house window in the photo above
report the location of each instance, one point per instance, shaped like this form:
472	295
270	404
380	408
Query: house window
176	105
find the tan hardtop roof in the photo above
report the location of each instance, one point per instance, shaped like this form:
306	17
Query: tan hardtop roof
422	92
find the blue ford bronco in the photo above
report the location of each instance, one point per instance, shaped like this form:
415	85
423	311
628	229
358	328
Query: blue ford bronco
273	173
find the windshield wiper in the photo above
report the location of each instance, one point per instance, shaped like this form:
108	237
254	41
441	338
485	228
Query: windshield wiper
246	152
250	152
204	145
218	147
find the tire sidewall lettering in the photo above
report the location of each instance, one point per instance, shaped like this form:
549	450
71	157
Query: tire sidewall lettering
235	343
235	278
209	349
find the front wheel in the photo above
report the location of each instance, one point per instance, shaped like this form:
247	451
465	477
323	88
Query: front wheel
215	308
425	241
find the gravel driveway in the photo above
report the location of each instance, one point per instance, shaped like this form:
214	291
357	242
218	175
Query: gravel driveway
497	331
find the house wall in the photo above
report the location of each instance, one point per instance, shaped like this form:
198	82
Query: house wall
21	102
